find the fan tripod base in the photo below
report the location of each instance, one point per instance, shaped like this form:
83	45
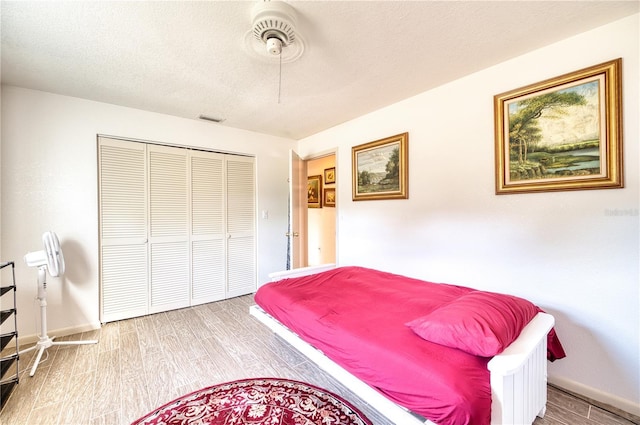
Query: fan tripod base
47	342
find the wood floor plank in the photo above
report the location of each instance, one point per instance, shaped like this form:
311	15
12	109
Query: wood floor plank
28	359
147	335
271	358
110	418
237	348
223	330
192	345
25	359
93	334
106	393
77	407
110	337
231	324
161	323
199	326
255	328
547	421
126	326
130	354
205	372
24	397
221	360
174	346
605	417
212	306
191	387
174	360
135	399
54	389
561	398
179	314
284	351
49	414
159	379
564	415
86	358
208	312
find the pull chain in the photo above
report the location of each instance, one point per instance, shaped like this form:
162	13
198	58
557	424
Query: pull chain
279	77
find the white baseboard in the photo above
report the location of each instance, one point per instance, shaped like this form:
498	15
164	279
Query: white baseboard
58	333
597	395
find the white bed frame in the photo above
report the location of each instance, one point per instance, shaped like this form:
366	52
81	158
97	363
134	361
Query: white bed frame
518	374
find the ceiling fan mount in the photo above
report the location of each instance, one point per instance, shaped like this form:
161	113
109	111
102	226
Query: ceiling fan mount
273	33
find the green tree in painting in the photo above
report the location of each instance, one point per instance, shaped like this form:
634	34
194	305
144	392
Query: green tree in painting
393	165
524	132
364	178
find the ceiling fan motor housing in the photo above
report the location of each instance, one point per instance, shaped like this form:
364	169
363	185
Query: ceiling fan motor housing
274	24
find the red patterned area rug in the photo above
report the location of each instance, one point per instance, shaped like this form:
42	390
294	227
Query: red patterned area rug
264	401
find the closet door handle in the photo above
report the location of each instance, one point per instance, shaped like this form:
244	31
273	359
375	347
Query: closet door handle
295	234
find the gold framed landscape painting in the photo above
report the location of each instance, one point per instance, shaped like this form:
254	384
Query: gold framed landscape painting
380	169
564	133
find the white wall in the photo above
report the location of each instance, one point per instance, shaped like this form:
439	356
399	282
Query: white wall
49	182
568	252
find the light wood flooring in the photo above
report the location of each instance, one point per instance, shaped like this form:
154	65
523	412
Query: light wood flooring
142	363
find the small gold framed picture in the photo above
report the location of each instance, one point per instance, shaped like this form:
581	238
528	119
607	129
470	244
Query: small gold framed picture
329	175
314	191
330	197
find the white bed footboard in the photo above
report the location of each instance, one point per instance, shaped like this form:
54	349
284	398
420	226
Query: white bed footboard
518	374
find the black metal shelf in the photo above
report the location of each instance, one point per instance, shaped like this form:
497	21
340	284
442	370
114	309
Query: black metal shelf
5	289
5	390
6	362
7	384
5	314
6	338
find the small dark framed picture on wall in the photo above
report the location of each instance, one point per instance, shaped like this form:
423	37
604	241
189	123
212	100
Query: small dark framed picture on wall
314	191
330	175
330	197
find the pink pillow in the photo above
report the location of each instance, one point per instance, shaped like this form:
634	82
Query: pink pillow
480	323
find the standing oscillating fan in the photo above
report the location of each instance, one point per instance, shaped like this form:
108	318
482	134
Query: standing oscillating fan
50	259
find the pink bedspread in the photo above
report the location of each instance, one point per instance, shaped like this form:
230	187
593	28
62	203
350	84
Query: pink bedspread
358	317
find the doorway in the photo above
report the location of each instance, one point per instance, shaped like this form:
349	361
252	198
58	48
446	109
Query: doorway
312	226
321	220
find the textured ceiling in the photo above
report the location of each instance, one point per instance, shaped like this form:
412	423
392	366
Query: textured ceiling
190	58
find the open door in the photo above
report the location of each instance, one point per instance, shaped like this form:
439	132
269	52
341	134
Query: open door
296	233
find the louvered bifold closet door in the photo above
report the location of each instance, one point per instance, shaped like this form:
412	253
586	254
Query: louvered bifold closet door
208	224
168	228
123	229
241	218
